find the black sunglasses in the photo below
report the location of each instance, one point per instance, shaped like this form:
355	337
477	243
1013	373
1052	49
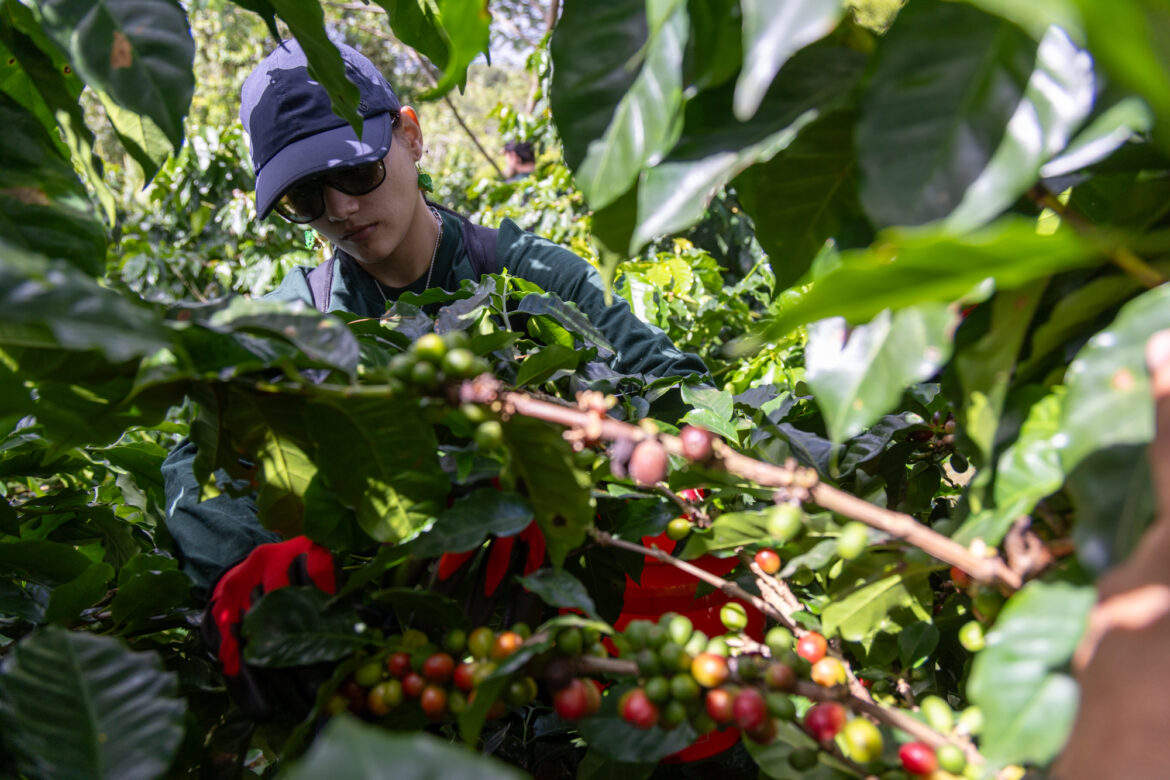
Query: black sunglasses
305	200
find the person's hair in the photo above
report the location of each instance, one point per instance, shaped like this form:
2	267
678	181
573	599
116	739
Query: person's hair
523	150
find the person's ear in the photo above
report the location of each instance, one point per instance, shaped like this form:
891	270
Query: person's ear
411	131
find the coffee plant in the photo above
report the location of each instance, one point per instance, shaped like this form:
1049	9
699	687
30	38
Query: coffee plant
920	250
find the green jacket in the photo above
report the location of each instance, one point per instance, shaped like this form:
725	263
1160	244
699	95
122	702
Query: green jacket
214	534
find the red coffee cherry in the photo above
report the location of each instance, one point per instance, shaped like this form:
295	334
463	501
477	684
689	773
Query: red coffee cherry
768	560
572	701
696	443
638	710
918	758
824	720
709	670
812	647
749	709
438	668
718	704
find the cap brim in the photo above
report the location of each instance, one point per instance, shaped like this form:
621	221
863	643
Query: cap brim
336	148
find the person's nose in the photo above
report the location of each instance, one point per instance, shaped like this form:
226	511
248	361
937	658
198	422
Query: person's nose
338	206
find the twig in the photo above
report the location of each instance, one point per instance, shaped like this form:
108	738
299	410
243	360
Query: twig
696	515
774	590
985	568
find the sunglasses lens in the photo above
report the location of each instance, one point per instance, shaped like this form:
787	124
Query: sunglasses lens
359	179
304	202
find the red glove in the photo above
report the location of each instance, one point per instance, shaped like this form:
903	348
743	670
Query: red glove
499	558
296	561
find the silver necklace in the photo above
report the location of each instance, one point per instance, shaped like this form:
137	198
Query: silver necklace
434	254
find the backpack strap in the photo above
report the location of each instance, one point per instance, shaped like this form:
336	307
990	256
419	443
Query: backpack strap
321	284
480	242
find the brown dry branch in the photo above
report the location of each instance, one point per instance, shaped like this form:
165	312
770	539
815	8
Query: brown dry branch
987	567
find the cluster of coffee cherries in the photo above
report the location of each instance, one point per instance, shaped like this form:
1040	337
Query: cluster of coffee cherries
438	680
433	361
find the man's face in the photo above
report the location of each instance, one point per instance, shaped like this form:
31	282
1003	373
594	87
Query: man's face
371	227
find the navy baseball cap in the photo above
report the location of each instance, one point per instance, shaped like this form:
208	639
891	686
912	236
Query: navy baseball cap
292	130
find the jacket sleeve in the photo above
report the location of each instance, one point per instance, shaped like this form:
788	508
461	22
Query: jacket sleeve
641	348
210	535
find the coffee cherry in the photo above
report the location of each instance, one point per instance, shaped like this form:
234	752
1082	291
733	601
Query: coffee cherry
489	435
780	706
639	711
863	741
749	710
734	616
917	758
678	528
523	629
384	697
458	363
674	712
658	689
413	639
368	675
951	758
438	668
398	664
717	645
785	521
971	721
812	647
824	720
703	724
971	636
572	701
433	701
648	663
748	667
679	628
709	670
455	642
803	759
430	347
463	676
635	631
696	644
853	540
507	642
479	642
780	676
828	672
569	641
779	640
937	713
456	702
762	734
696	443
593	694
424	375
684	688
718	705
655	636
673	658
961	578
768	561
413	684
648	462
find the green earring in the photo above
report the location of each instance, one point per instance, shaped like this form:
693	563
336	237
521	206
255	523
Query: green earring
424	180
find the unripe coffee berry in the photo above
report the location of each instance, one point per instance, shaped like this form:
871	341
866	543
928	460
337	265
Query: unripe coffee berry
696	443
648	462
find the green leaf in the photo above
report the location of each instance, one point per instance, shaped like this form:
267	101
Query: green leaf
1109	401
306	21
414	23
558	588
559	491
595	766
946	79
1057	100
912	266
712	410
141	54
471	520
423	608
347	748
1038	16
1124	121
804	195
43	562
772	32
542	366
916	642
714	149
568	315
727	532
1029	705
323	339
77	705
859	611
285	474
1131	43
465	25
298	625
860	374
648	118
68	599
772	758
1112	494
149	586
142	139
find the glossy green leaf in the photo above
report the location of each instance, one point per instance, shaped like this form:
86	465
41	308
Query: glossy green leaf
423	608
713	150
1057	99
1131	43
1038	16
727	532
916	642
648	118
558	588
148	586
68	599
859	611
569	316
323	339
804	195
1109	400
1112	493
712	410
558	490
77	705
415	24
913	266
348	748
1028	703
42	561
285	473
1126	120
860	374
1028	471
465	25
298	625
772	32
141	54
306	21
945	82
471	519
139	135
544	365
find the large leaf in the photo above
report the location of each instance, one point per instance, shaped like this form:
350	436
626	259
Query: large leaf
881	602
414	23
1112	493
140	136
1109	401
804	195
347	748
306	21
860	374
1056	101
912	266
465	25
148	586
42	561
1131	42
1128	119
558	588
648	118
1037	16
471	519
68	599
714	148
76	705
298	625
559	491
772	32
946	80
1028	703
141	54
